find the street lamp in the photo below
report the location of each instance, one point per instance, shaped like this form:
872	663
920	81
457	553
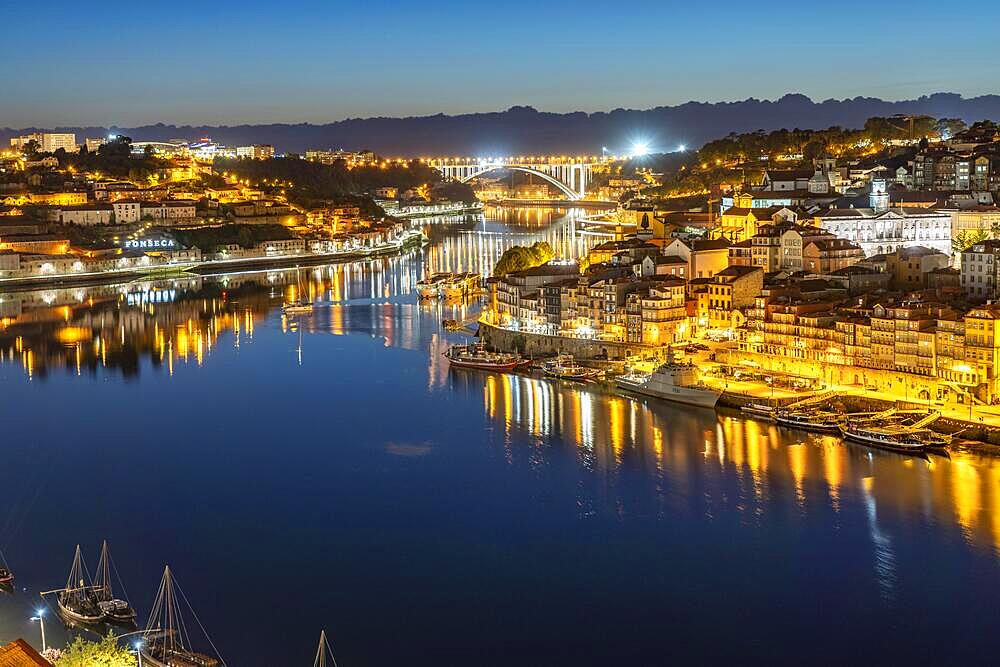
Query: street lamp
138	650
40	617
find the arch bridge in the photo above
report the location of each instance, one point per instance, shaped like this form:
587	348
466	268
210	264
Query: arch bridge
571	175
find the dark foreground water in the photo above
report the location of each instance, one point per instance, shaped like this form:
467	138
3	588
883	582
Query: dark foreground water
335	474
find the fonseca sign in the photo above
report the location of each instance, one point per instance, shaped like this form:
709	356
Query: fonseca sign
152	243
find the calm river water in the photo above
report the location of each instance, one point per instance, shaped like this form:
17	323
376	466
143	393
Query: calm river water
335	474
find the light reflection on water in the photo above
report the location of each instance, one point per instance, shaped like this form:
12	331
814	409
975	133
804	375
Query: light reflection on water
771	464
408	480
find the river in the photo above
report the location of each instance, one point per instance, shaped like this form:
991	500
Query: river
335	474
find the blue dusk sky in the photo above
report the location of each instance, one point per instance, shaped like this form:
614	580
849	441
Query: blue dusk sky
118	63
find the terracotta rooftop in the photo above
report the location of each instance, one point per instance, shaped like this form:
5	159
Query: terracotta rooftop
19	653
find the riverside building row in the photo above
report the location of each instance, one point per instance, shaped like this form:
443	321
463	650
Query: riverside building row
793	299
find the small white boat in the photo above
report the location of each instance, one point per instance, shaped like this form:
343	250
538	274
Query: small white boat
297	309
301	307
430	287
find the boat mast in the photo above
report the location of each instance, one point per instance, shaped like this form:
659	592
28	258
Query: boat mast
76	584
321	651
169	606
164	615
102	583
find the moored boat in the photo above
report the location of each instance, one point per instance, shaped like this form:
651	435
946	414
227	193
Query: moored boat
430	287
564	367
77	602
818	421
115	610
459	285
302	306
672	381
479	358
297	309
759	410
893	437
165	637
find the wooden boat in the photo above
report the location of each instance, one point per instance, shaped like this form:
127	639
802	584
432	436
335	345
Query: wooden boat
77	602
809	420
759	410
165	637
565	367
894	437
477	357
115	610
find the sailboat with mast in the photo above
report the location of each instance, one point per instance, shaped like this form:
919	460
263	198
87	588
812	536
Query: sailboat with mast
117	611
321	652
167	643
77	602
302	306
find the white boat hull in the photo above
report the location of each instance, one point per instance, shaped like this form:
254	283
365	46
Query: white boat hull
702	398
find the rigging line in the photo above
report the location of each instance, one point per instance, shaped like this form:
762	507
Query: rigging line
121	583
180	617
329	648
198	620
154	616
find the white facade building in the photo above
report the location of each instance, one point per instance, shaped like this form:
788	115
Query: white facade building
881	229
53	141
87	214
979	272
127	211
256	152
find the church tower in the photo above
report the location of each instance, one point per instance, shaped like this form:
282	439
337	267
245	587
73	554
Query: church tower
879	197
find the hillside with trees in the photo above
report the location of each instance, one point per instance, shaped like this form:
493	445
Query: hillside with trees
314	183
522	130
519	258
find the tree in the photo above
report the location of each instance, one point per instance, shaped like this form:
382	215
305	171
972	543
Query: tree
105	653
967	238
519	258
31	148
949	127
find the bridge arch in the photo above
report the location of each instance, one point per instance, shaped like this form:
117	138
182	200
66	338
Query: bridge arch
565	189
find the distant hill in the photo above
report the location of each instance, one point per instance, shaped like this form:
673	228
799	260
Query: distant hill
524	130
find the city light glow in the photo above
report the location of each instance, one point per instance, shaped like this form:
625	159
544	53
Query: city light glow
639	149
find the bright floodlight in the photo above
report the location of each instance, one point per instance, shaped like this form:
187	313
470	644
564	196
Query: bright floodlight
640	148
40	612
681	148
